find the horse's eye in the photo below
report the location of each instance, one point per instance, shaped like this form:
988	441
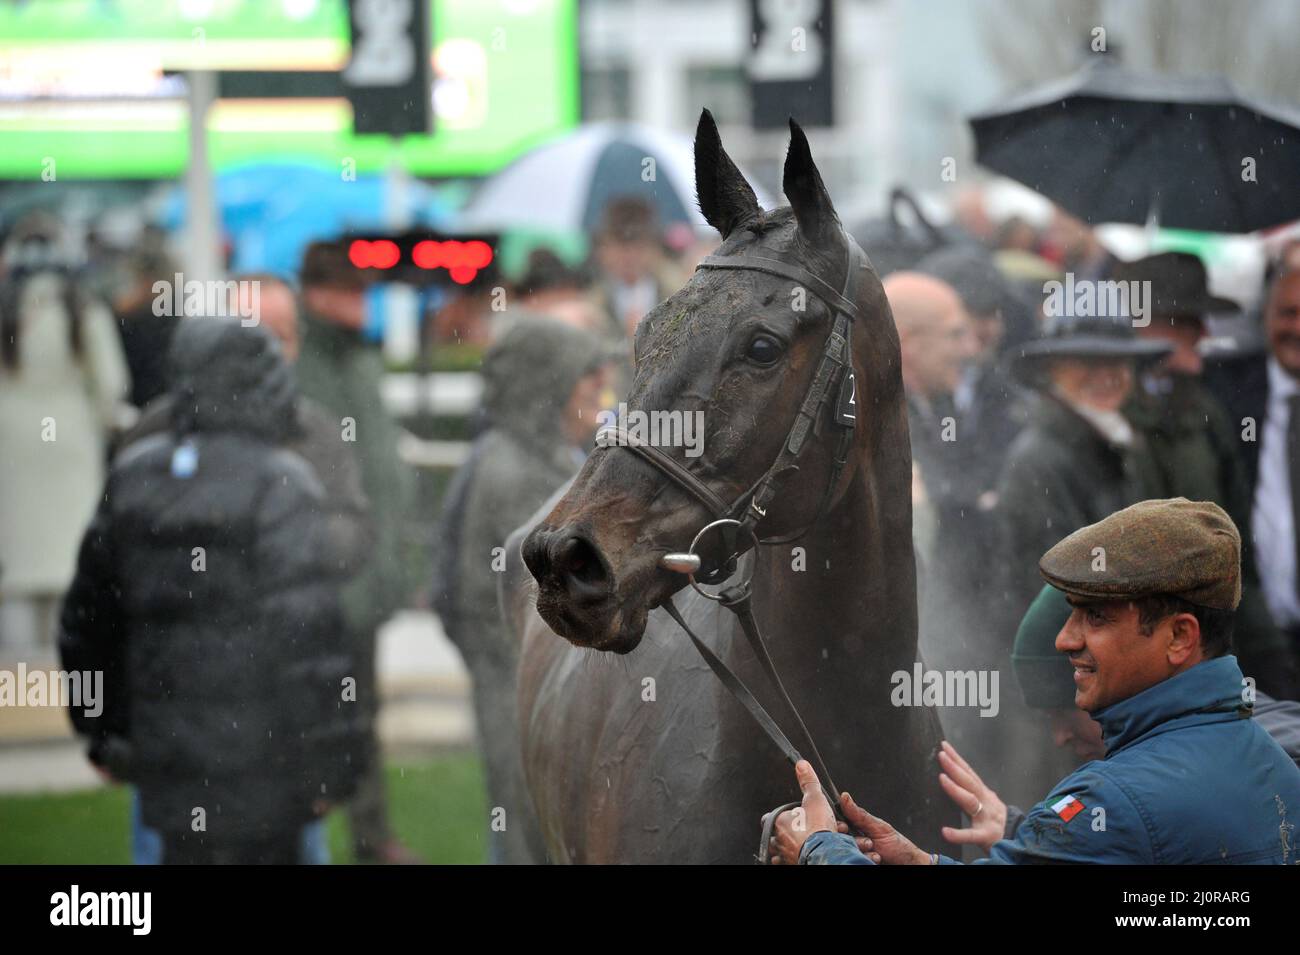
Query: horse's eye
764	350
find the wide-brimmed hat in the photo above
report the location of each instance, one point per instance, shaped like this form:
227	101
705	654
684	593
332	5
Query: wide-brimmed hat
1095	337
1179	284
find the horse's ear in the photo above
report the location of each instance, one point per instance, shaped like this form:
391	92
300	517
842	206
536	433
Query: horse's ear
726	199
807	194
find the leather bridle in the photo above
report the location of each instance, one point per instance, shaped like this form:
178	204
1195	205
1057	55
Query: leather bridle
830	397
834	369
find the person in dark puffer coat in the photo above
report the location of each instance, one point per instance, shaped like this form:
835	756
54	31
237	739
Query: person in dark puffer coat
207	592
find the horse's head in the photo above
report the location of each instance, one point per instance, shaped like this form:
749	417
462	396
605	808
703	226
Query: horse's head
737	349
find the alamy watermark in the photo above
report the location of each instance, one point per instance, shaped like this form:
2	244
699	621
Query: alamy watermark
923	687
132	910
659	429
241	299
83	689
1089	298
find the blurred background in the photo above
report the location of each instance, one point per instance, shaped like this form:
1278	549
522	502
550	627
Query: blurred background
472	162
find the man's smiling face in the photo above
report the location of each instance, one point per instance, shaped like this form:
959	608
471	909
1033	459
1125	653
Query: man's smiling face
1112	658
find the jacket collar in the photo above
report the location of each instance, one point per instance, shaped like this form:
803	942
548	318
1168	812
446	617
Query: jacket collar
328	336
1281	386
1058	418
1113	427
1209	691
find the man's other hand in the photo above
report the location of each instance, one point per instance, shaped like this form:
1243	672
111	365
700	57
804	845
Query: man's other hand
988	813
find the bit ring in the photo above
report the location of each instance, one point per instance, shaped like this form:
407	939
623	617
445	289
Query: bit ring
691	551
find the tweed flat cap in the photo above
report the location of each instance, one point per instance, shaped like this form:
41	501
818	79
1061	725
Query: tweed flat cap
1177	547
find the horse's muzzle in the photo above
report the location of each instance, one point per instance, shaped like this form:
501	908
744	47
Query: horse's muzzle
568	560
575	586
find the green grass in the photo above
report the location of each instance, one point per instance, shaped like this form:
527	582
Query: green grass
437	808
92	826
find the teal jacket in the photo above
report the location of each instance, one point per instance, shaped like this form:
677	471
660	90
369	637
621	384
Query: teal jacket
1188	778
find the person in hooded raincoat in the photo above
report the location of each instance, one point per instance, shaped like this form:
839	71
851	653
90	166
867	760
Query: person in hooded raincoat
545	383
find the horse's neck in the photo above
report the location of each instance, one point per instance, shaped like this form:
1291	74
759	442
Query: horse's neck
853	605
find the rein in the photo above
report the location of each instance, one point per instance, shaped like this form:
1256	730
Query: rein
830	397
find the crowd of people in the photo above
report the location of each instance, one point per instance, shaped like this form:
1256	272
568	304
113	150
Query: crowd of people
227	551
237	627
1019	440
207	511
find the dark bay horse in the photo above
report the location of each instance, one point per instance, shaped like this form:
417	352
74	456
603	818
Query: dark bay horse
638	754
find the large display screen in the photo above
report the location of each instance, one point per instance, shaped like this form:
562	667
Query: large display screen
83	92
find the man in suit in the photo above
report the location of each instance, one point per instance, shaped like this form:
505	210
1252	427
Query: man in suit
1195	447
1262	394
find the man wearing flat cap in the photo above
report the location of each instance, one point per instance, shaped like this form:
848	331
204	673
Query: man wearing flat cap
1046	681
1188	777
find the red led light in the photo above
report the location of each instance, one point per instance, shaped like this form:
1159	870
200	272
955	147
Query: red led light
427	254
359	253
380	254
462	260
478	254
384	254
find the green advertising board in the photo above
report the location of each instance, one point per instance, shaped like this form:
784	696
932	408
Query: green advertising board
507	78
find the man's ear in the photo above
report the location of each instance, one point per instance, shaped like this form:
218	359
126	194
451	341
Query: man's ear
1184	640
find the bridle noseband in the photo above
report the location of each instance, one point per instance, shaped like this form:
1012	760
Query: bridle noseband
738	521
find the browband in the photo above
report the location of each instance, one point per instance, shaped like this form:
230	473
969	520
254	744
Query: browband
837	301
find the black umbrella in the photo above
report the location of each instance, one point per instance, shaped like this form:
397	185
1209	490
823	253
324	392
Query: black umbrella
1111	144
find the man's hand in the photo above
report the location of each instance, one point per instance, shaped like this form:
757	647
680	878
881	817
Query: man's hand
988	813
794	826
882	842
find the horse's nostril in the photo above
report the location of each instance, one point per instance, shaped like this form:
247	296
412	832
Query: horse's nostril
577	562
569	561
577	558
